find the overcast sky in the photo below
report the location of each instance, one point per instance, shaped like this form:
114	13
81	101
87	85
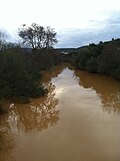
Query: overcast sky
77	22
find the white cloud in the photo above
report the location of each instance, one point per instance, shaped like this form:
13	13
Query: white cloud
60	14
57	13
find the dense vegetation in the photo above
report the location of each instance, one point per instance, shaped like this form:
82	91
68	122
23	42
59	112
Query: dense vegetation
20	72
101	58
20	68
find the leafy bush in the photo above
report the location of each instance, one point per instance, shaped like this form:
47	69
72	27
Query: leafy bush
16	79
91	65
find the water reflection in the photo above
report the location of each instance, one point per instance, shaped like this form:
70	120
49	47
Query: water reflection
25	118
37	115
83	127
107	88
7	142
53	73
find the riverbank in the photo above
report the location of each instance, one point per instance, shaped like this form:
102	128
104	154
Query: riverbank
101	58
21	73
78	116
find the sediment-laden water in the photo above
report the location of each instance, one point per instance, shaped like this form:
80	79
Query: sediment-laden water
78	120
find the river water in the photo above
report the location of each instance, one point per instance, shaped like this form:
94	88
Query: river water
78	120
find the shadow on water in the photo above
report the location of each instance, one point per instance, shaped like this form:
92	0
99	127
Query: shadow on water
37	115
7	142
25	118
21	125
107	88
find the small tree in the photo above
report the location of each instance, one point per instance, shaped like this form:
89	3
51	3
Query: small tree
37	36
50	39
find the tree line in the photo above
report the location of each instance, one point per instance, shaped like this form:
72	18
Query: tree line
34	36
21	64
20	68
98	58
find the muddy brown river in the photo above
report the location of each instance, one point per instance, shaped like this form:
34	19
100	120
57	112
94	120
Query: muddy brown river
78	120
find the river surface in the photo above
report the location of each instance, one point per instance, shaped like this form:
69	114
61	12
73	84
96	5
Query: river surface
78	120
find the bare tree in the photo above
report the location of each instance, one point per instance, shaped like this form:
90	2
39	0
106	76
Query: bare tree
50	37
37	36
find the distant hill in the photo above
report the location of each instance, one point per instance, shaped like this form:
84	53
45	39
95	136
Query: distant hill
65	50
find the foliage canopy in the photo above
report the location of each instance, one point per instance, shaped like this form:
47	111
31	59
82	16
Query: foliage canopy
37	36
